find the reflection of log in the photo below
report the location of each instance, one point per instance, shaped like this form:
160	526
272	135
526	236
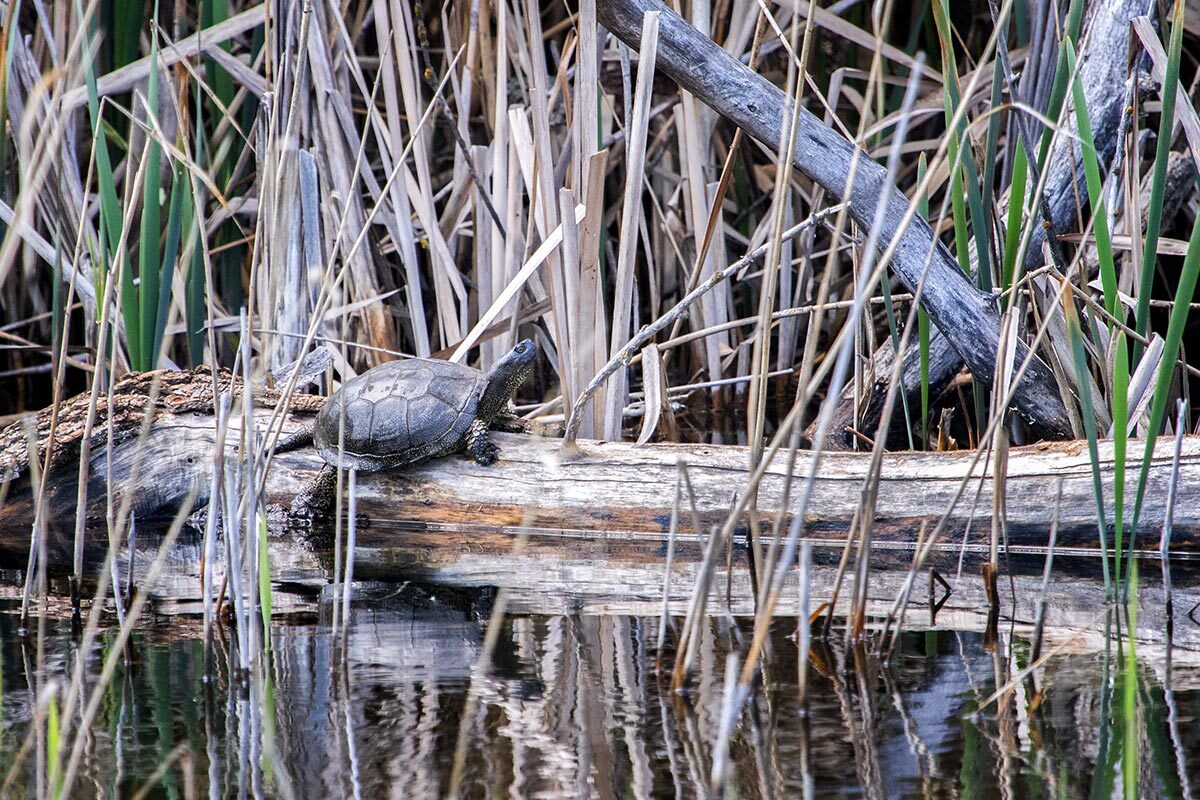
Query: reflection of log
615	489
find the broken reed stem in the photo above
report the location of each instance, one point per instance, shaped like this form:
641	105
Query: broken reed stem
685	656
1040	619
665	617
730	710
804	625
1164	546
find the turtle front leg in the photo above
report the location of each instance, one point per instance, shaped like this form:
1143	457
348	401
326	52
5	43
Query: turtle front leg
295	440
481	448
318	496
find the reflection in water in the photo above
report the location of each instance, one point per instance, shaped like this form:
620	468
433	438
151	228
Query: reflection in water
574	706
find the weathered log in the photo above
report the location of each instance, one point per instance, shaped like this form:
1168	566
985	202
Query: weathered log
626	491
590	534
966	315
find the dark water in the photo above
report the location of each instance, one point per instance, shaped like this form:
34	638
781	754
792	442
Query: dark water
574	706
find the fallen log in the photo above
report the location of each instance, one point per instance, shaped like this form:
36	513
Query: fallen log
625	492
590	534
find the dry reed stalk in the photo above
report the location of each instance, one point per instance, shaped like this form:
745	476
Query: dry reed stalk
1035	649
88	713
673	525
635	153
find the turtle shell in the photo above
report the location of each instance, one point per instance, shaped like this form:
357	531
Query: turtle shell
399	413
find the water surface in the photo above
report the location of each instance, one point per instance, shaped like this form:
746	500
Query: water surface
575	706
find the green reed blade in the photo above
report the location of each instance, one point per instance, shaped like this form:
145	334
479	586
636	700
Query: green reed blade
1089	426
1158	182
110	206
1120	416
1095	188
1131	752
195	301
990	146
264	580
54	747
964	175
950	104
1012	225
149	263
178	218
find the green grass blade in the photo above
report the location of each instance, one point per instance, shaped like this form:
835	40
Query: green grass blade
964	175
990	146
125	21
1109	738
54	747
1131	752
178	218
195	301
1120	415
264	580
1095	189
1089	426
149	263
110	205
1158	182
1012	225
950	104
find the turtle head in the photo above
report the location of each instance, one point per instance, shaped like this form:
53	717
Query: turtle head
506	376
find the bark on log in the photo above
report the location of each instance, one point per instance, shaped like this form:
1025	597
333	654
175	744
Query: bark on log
967	316
624	492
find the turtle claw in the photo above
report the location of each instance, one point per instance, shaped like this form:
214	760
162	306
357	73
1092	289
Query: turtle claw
481	448
486	453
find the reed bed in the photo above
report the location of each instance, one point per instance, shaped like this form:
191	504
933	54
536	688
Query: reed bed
240	185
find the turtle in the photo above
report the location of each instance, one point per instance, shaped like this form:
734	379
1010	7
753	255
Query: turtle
403	413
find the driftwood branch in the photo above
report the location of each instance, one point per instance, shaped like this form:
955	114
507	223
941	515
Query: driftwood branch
968	317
